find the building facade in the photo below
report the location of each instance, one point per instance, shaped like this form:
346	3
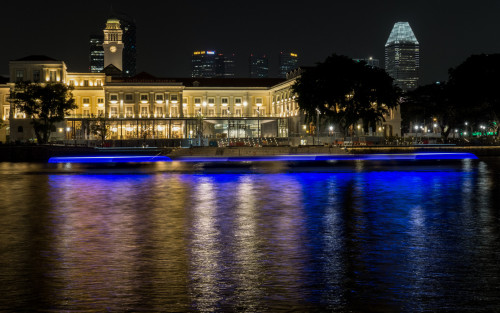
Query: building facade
402	56
288	62
96	53
258	66
226	110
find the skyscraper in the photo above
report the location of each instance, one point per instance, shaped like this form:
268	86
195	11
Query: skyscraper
129	46
258	66
288	61
208	64
203	64
402	56
96	53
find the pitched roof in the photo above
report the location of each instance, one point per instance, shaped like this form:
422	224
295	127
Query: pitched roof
144	77
36	58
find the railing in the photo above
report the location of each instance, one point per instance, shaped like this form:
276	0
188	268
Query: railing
174	116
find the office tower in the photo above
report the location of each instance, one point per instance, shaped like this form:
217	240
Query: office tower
96	54
258	66
370	61
129	44
208	64
112	44
402	56
288	61
203	64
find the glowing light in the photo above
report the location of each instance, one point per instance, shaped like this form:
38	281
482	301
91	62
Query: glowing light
68	129
100	105
111	159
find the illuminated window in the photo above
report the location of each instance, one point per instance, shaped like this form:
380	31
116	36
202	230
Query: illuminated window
98	82
114	111
86	82
173	98
144	97
144	112
86	101
129	111
113	97
258	101
197	102
72	82
237	101
159	97
211	102
86	113
224	101
100	100
100	112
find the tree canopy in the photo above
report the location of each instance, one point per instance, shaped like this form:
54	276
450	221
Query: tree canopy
470	95
45	104
344	91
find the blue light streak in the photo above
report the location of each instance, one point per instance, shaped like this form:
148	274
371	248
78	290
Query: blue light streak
111	159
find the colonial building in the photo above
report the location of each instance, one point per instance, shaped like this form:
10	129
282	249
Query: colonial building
147	107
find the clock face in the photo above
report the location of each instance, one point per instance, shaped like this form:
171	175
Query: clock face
112	49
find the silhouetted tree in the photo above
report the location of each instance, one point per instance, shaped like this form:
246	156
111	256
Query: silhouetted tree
344	91
474	88
46	104
99	127
433	103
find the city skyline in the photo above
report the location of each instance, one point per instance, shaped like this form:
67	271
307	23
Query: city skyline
314	31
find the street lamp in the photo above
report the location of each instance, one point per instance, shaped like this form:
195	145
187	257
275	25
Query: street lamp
317	124
258	123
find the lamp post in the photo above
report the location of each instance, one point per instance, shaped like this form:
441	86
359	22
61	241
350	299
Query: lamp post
317	124
258	123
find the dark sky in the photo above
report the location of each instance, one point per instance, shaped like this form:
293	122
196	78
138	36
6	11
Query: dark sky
169	31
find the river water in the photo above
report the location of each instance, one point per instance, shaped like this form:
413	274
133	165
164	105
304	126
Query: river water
367	240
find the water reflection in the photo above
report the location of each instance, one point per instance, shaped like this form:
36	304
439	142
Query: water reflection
410	241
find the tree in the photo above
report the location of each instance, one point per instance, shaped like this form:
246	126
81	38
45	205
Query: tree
100	128
473	87
345	91
45	104
434	103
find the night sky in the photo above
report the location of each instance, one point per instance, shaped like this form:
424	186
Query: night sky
169	31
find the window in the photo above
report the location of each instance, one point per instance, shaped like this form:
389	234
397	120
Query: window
72	82
211	112
224	111
129	112
144	112
129	97
6	113
224	102
98	82
85	82
36	76
237	111
144	98
173	98
113	97
100	102
258	102
197	102
114	111
52	76
86	113
159	111
100	112
174	111
86	101
19	75
237	101
211	102
159	97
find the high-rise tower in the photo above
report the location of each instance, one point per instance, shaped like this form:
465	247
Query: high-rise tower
288	61
113	45
96	53
258	66
402	56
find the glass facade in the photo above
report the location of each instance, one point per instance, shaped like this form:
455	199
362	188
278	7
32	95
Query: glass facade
402	56
96	56
288	61
258	66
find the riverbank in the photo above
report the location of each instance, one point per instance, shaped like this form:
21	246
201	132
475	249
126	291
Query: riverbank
42	153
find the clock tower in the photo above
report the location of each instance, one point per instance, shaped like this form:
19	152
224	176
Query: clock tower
113	45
